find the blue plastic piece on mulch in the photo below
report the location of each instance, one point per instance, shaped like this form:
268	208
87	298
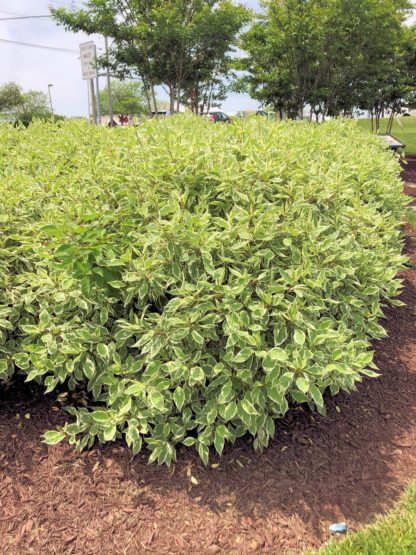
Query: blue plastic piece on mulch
338	528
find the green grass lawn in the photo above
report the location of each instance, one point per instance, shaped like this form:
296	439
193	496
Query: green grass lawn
404	129
394	534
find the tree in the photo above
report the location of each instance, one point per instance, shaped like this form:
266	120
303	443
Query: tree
23	107
325	53
283	52
128	98
390	84
209	68
178	44
200	96
34	104
10	96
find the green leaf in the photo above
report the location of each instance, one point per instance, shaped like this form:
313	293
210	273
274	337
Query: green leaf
248	407
278	354
197	374
208	263
226	393
243	355
109	433
117	284
203	452
299	397
44	317
102	417
156	400
89	368
136	440
103	351
52	438
370	373
230	411
179	397
275	394
299	337
188	441
303	384
219	441
316	395
270	427
125	407
135	389
279	334
197	337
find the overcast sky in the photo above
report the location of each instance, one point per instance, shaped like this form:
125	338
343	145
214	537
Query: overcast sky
35	68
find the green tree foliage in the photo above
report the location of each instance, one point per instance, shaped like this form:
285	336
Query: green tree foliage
34	104
194	279
19	106
182	45
333	55
128	98
10	97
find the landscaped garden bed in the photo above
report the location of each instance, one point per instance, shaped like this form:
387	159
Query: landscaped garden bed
196	290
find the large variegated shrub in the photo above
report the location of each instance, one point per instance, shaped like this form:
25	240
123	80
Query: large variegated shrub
195	279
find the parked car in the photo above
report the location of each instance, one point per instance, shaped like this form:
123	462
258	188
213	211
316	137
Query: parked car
163	113
218	117
242	114
248	114
266	114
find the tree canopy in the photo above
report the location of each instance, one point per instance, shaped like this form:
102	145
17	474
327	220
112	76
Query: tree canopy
128	98
184	46
19	106
331	54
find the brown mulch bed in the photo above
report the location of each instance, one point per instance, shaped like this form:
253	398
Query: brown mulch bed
348	466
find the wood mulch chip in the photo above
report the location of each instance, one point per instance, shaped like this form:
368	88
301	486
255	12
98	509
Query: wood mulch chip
349	466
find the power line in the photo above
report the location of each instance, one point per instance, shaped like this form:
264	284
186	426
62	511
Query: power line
69	5
73	4
40	46
11	13
23	17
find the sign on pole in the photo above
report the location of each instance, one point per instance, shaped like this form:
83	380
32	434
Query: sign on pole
88	57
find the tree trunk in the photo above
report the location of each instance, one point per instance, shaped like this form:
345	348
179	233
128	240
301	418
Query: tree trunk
146	92
171	98
152	88
378	112
390	123
178	100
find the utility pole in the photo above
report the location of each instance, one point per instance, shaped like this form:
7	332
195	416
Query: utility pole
50	97
97	88
93	102
89	102
110	100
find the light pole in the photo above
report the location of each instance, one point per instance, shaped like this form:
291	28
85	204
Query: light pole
50	97
110	100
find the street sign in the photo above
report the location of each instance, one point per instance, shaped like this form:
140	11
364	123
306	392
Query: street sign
88	56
